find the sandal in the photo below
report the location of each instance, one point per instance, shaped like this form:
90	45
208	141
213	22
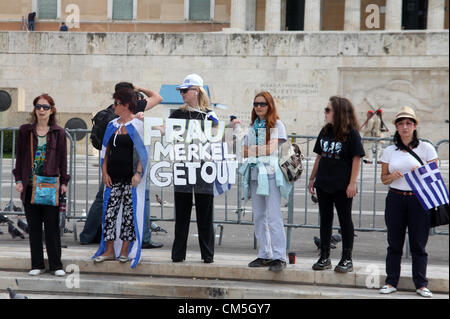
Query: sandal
101	259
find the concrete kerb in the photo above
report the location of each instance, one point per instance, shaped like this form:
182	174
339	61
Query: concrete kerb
367	274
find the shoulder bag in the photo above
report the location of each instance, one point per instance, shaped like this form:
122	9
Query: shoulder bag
45	189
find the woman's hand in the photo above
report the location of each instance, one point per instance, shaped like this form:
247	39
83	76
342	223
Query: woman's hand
140	116
107	180
136	179
351	190
19	187
63	189
311	187
396	175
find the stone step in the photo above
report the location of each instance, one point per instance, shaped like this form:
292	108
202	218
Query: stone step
229	267
128	286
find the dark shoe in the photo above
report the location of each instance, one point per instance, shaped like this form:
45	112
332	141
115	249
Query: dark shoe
208	260
177	260
322	264
345	265
260	262
151	245
277	265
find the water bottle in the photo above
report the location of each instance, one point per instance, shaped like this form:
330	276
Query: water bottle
62	212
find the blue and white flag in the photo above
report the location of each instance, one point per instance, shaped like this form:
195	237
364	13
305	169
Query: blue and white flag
428	185
135	129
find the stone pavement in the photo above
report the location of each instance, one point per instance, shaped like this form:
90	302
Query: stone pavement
228	277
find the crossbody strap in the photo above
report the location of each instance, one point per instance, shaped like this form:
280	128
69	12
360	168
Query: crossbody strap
31	146
410	151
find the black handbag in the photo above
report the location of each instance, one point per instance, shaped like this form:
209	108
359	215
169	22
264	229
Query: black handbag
439	215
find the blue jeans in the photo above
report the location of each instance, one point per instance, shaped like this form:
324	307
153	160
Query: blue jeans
147	230
92	228
30	25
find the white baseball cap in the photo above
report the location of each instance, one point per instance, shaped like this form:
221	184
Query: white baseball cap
191	80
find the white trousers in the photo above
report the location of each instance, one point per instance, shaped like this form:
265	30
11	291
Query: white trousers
269	226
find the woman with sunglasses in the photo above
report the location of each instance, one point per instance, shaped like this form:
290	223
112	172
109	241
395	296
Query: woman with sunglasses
336	169
124	162
265	183
49	158
196	107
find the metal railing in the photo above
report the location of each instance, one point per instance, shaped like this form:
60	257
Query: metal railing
229	208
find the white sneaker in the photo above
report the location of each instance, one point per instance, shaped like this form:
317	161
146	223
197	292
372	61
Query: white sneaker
60	273
425	292
387	290
35	272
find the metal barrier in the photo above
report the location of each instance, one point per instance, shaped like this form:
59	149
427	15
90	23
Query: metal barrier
229	208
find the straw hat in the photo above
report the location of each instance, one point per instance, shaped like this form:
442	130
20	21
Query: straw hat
405	112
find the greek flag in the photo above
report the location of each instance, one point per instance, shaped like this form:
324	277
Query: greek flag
135	129
428	185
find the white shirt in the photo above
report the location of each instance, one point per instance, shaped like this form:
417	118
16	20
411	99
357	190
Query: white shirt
405	162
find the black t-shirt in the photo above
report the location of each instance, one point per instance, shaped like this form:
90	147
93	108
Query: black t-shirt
201	186
120	158
335	165
189	115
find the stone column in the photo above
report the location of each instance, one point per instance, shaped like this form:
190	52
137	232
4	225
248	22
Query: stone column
312	15
273	15
436	14
393	15
352	20
238	15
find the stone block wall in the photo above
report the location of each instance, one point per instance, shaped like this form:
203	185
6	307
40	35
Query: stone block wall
301	69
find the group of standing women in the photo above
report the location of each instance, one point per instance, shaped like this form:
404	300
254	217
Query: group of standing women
339	151
124	161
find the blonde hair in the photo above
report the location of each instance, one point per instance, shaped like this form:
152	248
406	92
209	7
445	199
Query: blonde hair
202	98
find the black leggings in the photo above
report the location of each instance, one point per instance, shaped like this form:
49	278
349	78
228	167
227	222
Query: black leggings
343	206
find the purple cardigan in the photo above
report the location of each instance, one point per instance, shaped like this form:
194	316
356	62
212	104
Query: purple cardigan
55	163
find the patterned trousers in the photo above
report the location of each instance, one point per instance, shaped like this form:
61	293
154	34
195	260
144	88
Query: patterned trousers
120	194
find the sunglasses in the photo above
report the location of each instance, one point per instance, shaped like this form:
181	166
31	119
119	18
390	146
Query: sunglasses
184	91
46	107
259	104
327	110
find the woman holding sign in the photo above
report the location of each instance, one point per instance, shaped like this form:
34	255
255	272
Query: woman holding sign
403	209
195	108
265	182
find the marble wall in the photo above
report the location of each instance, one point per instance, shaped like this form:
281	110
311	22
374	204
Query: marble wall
301	69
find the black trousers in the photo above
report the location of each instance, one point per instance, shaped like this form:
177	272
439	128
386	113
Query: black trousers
49	216
406	212
343	206
204	211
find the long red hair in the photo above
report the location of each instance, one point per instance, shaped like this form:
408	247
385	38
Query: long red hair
272	114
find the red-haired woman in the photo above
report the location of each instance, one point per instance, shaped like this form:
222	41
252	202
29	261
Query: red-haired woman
265	182
49	158
336	169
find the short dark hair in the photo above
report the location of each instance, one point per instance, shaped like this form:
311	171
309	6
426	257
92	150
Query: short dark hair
126	96
123	85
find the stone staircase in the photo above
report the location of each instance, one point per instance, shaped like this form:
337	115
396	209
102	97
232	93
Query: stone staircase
228	277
